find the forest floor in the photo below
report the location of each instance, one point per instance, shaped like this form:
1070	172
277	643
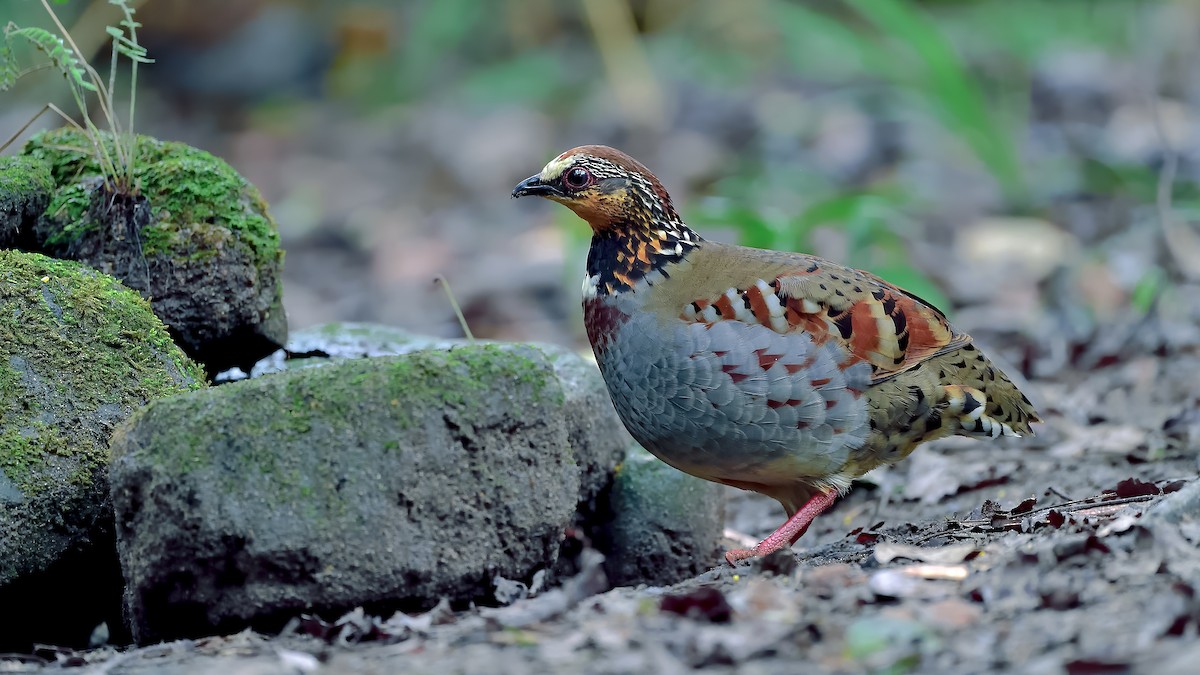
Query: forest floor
1076	551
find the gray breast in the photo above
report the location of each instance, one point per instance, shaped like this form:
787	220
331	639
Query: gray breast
734	400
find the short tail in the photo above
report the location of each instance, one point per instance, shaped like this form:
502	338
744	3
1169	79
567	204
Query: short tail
959	392
979	414
982	397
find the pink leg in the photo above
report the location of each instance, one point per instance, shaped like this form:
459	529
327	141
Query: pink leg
790	531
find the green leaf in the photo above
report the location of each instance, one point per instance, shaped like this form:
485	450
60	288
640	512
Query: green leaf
1148	288
953	93
909	50
533	77
441	28
809	32
752	227
52	46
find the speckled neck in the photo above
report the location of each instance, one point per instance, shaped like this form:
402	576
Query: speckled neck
622	256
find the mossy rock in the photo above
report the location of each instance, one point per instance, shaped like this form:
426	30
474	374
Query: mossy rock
596	434
389	482
665	525
79	352
190	233
25	188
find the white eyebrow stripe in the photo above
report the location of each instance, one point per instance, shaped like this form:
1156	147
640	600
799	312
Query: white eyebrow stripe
555	168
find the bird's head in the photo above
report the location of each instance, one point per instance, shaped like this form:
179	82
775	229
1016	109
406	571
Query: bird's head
636	230
605	187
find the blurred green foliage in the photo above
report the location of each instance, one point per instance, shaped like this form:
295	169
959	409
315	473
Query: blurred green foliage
965	67
116	159
960	72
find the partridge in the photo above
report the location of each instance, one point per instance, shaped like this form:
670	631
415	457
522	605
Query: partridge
776	372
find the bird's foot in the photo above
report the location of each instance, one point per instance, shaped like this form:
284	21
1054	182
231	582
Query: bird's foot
734	555
764	548
789	532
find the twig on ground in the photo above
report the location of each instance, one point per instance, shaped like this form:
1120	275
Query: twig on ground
1055	491
462	319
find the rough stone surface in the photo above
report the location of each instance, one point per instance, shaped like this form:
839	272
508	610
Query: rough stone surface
197	239
360	340
387	482
596	433
316	345
25	188
665	525
78	353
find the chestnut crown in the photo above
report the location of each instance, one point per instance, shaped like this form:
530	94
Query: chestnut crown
604	186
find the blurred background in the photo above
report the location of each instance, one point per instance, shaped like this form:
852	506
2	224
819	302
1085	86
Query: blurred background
1030	166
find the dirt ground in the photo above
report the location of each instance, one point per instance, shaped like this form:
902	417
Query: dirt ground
1075	551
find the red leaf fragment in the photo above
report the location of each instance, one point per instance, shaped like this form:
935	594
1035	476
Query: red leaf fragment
1173	486
1056	519
1132	487
1095	667
702	604
866	538
1025	506
1179	625
1094	544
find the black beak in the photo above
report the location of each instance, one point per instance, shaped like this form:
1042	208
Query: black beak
534	186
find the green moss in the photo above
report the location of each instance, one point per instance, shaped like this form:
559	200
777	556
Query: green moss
20	176
25	188
9	380
199	201
25	452
458	376
241	426
76	347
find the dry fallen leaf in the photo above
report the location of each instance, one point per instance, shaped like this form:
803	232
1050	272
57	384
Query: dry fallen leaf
892	583
916	581
937	572
1119	524
887	551
1025	506
701	604
1055	518
1132	487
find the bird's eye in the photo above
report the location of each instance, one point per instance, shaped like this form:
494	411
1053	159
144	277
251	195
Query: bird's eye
577	178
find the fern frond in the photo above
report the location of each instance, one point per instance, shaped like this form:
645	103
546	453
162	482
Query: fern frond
127	47
63	57
116	158
10	72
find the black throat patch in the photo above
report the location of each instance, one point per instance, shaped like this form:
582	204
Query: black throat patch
623	255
